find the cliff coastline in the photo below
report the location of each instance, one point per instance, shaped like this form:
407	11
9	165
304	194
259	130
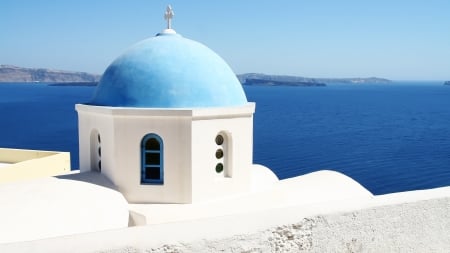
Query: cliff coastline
10	74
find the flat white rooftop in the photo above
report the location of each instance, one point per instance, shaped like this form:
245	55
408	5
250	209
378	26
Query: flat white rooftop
4	164
308	190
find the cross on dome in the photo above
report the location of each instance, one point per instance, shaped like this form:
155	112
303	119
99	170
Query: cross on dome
168	15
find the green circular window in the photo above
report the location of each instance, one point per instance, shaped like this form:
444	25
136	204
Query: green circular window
219	153
219	167
219	139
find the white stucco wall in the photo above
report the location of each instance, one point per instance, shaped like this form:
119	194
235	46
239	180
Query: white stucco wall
90	121
189	150
174	132
122	131
237	129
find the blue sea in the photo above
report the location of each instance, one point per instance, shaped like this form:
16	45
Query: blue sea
389	138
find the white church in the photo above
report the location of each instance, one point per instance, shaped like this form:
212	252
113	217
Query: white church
169	123
167	137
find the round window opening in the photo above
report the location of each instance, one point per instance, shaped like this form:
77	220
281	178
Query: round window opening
219	139
99	165
98	137
219	153
99	151
219	167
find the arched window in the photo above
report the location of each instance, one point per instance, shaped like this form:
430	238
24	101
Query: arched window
152	164
95	151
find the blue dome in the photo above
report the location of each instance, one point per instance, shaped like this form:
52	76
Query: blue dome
169	71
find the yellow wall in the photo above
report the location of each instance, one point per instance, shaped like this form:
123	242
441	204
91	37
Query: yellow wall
28	164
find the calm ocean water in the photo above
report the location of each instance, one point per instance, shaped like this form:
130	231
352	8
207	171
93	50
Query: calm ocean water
387	137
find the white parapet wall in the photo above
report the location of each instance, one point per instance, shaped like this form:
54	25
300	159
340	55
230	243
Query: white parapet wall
20	164
417	221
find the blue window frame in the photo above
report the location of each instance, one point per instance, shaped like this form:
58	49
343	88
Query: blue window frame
152	162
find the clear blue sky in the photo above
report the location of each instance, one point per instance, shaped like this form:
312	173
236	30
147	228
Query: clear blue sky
396	39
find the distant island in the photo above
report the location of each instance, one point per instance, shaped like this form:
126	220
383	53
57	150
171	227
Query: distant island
74	84
10	74
447	83
276	80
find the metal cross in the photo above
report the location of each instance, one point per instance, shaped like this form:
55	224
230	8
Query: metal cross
168	16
